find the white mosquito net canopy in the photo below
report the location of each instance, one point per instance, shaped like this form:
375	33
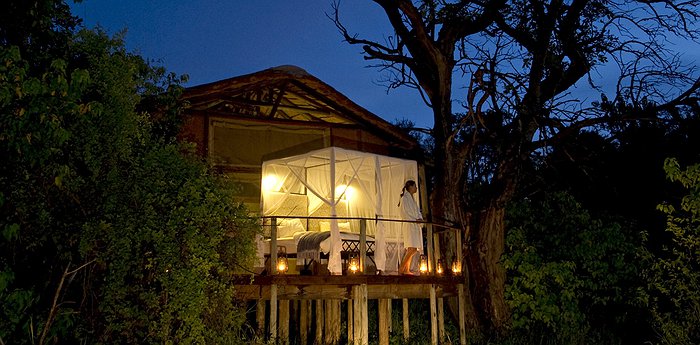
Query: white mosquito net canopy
334	182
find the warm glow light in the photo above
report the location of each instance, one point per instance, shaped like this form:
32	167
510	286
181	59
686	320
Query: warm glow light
347	192
353	266
456	267
440	269
423	264
269	183
282	263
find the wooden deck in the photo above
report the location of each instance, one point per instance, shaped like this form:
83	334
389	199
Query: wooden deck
296	287
323	296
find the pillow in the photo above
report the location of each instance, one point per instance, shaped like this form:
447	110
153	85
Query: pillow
287	227
326	226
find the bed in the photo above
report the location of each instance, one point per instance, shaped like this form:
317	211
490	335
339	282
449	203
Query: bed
314	246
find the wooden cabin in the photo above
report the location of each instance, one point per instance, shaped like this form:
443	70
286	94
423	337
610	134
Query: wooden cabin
279	134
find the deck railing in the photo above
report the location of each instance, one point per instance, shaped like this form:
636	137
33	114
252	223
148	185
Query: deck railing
431	234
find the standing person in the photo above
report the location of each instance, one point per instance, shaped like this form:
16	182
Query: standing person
412	234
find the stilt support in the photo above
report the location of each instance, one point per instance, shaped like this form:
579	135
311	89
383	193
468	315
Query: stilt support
384	321
433	316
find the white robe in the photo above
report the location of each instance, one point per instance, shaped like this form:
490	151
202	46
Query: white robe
412	234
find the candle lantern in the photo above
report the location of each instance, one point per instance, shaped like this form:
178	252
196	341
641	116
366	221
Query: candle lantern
440	269
423	264
282	263
353	264
456	267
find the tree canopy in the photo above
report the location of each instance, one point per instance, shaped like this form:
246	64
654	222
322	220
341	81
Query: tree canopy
499	76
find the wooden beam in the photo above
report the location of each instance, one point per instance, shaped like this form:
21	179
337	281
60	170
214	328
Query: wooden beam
391	319
365	316
462	301
351	322
319	322
384	320
363	245
342	292
433	317
357	320
441	319
273	313
431	249
273	245
332	322
283	322
260	316
304	311
406	324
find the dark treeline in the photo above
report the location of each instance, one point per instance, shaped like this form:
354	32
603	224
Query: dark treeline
110	231
591	248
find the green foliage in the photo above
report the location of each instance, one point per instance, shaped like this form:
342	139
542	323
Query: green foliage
109	230
673	275
564	268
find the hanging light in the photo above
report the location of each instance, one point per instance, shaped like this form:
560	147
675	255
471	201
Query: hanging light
423	264
456	267
282	263
270	183
440	269
354	264
344	192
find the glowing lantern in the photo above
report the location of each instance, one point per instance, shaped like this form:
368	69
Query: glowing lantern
423	264
456	267
282	263
440	269
354	264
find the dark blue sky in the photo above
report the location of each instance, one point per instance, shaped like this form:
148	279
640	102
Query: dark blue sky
216	39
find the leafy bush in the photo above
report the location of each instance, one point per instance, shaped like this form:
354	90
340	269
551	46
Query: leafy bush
109	230
673	275
565	269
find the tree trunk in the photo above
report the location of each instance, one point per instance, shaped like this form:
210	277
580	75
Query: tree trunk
486	274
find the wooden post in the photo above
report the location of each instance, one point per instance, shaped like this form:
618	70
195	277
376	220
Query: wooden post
460	257
406	328
273	246
391	319
283	322
304	321
462	317
441	319
363	245
332	323
273	313
335	325
433	316
365	316
384	321
260	316
357	321
319	322
351	321
361	326
431	248
438	254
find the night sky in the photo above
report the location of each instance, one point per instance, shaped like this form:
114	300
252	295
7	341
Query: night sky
213	40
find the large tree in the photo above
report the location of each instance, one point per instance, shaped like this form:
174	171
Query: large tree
510	65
